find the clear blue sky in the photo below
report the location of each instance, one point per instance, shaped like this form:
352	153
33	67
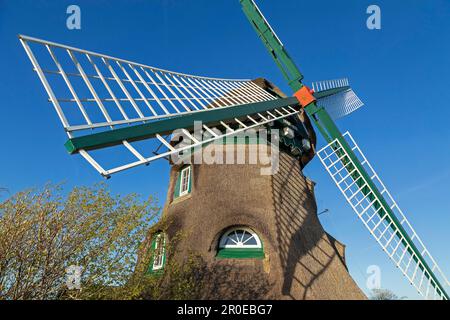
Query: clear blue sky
401	72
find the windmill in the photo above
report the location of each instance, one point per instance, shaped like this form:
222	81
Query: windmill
132	110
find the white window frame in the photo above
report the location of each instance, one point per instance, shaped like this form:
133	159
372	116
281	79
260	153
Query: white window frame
185	173
239	245
158	259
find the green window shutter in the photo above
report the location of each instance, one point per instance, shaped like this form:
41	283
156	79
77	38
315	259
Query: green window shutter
176	192
190	181
152	256
150	269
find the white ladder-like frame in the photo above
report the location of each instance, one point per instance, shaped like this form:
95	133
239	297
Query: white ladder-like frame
381	226
103	85
151	93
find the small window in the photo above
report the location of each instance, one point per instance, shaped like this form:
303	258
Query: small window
158	252
185	181
240	243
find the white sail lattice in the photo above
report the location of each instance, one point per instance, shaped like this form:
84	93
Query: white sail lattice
341	103
93	92
360	195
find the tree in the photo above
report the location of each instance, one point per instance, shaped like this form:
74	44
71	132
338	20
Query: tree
384	294
42	233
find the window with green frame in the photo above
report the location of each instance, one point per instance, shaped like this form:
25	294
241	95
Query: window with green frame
184	182
158	257
240	243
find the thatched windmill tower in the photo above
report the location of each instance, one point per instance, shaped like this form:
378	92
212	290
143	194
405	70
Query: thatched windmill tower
258	235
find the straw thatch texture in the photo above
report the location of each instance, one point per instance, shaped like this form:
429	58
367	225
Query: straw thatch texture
301	260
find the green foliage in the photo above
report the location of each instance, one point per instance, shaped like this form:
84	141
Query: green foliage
43	232
179	281
384	294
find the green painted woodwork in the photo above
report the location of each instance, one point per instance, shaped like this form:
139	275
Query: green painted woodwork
250	253
241	252
330	92
167	126
152	257
327	127
273	45
176	192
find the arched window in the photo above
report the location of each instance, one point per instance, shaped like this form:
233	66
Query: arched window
158	249
240	243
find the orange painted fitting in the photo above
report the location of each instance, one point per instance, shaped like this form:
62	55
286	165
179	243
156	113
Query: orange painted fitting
304	96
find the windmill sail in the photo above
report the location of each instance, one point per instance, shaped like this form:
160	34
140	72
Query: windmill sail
382	217
105	102
337	97
352	172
